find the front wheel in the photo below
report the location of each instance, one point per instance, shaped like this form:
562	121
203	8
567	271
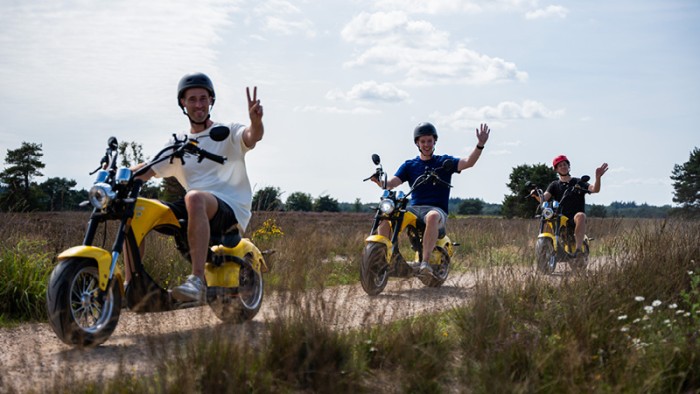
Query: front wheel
79	312
246	304
546	258
374	273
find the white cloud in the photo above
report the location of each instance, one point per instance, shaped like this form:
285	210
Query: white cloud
283	17
336	110
507	110
531	8
430	6
394	43
371	91
100	56
551	11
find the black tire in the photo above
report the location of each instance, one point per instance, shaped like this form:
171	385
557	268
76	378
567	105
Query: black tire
374	273
546	257
79	313
244	306
440	271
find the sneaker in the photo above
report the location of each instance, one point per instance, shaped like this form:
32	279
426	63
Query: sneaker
425	269
192	290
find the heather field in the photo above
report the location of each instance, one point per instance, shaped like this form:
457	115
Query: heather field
629	323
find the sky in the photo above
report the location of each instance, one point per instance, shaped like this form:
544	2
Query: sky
599	81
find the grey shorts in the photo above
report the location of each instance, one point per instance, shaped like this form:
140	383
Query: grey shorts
421	210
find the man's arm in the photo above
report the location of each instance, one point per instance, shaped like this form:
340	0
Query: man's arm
254	133
145	176
595	187
482	136
390	183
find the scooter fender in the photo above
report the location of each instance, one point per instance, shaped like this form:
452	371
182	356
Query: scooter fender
446	244
103	259
382	240
548	235
226	275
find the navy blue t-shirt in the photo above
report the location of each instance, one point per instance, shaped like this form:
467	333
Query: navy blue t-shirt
437	195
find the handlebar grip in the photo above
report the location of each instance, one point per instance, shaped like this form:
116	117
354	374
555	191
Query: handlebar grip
213	157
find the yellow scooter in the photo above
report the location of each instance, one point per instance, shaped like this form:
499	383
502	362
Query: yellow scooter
85	292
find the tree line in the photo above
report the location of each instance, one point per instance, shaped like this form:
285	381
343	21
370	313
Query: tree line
19	191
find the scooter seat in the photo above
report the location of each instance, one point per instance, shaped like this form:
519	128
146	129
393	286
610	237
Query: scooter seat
229	239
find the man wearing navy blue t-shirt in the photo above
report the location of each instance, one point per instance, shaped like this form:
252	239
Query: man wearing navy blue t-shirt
429	201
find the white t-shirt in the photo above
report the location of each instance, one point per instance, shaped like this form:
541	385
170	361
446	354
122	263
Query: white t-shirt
229	181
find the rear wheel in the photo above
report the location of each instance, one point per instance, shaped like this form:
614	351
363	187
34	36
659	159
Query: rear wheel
546	258
374	273
246	304
79	312
440	271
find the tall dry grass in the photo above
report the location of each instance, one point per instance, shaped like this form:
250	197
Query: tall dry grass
630	325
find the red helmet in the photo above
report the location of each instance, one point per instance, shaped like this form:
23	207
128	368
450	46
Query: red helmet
559	159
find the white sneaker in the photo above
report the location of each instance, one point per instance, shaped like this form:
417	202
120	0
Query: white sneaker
425	269
192	290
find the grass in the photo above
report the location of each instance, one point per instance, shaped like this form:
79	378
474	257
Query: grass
632	325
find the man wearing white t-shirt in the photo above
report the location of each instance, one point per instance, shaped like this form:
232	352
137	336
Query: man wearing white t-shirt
218	196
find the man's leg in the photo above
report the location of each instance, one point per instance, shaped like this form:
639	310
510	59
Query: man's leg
432	226
384	229
201	207
580	230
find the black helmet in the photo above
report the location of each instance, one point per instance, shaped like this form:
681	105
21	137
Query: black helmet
196	80
424	128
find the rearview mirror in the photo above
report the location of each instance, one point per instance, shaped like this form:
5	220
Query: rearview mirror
219	133
585	178
375	159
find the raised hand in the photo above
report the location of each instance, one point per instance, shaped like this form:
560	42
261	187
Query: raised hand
255	109
483	134
601	170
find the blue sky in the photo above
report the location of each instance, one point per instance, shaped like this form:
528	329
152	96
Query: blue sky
599	81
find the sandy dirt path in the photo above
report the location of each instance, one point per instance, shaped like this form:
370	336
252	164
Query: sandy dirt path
32	357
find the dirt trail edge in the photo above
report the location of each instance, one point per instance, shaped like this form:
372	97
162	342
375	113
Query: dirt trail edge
33	358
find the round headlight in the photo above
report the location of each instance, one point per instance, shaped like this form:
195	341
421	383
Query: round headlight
547	213
386	206
100	195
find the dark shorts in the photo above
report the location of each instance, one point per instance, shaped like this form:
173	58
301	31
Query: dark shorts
224	219
421	210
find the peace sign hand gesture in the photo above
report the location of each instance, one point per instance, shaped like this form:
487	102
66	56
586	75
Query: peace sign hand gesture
255	109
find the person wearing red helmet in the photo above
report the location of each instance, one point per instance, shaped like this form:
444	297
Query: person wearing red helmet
575	204
218	196
429	202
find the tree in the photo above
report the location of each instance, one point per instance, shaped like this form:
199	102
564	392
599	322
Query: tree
267	199
23	164
686	183
57	192
470	206
357	205
131	153
299	201
518	204
326	204
595	210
